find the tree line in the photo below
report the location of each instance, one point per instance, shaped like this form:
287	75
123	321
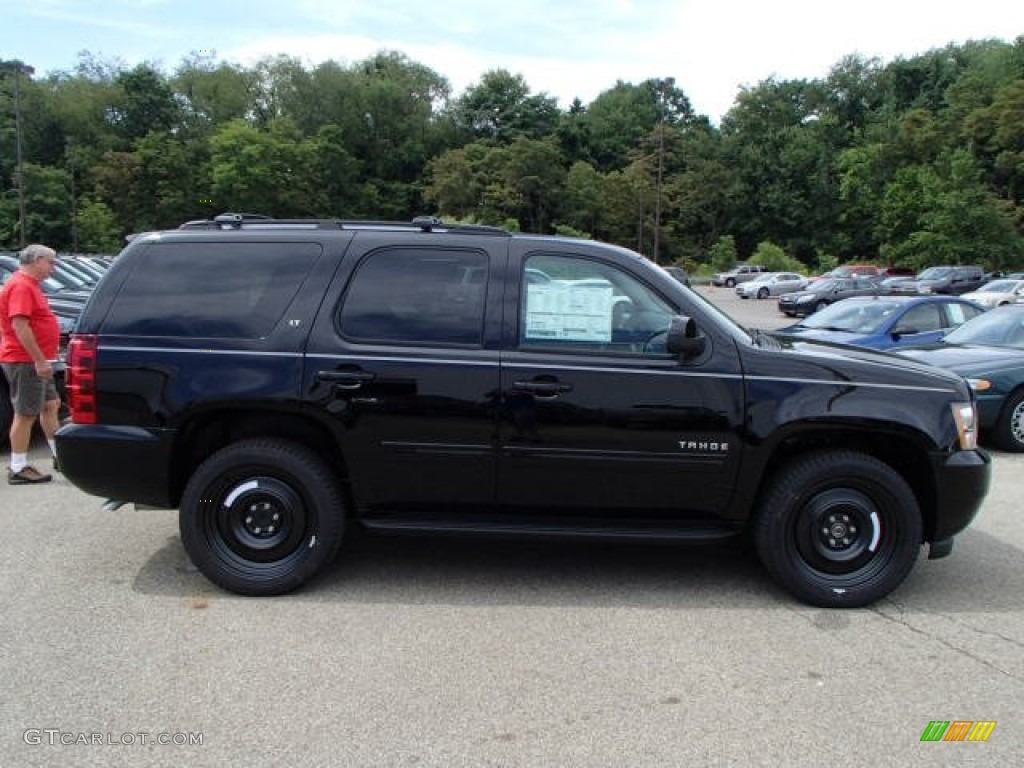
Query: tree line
916	162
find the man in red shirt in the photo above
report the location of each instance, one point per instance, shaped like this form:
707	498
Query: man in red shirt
30	340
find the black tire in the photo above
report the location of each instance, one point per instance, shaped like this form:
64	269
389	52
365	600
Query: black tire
262	517
838	529
730	283
1010	428
762	293
820	306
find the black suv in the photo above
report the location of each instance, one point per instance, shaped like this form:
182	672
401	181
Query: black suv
278	380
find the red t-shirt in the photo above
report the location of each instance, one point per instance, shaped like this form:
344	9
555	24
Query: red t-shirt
23	296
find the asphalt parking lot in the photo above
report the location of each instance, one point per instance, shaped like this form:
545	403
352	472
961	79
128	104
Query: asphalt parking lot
431	652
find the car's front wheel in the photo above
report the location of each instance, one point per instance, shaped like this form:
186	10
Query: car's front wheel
838	529
762	293
1010	427
262	517
820	306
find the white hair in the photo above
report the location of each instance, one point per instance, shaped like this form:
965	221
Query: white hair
33	253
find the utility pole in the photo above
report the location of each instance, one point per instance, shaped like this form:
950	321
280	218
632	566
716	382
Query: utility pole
18	68
661	165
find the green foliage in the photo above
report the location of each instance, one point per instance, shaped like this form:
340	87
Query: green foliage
826	262
775	259
723	254
919	161
97	228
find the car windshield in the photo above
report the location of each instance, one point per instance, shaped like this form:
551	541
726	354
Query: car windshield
1002	327
854	317
934	273
1000	286
823	286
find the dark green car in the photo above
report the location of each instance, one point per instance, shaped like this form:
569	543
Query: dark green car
988	351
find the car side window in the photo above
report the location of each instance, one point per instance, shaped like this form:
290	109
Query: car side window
958	314
589	306
417	296
211	290
922	318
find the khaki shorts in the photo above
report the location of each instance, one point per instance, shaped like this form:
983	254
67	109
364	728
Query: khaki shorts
29	391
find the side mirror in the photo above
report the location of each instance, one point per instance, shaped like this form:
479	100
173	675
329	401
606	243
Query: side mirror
903	330
683	339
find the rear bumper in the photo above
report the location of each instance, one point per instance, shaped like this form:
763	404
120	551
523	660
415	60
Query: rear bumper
961	482
123	463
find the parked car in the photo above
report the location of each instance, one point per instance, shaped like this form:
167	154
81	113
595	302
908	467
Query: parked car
988	352
852	270
738	274
679	274
346	374
821	293
891	272
885	322
953	280
771	284
998	292
53	287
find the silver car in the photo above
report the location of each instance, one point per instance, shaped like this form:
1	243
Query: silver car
997	293
772	284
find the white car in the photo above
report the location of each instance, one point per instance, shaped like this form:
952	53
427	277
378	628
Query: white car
772	284
997	293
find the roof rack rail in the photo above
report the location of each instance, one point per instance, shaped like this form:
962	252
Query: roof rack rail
231	220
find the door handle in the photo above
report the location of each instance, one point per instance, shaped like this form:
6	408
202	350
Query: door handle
345	379
542	388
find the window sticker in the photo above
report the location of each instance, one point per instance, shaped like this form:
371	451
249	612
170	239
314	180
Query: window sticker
563	311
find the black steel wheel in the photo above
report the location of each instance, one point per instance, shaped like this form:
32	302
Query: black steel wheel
838	529
261	517
1010	427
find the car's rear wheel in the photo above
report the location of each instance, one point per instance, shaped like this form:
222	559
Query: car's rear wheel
262	517
838	529
730	283
1010	427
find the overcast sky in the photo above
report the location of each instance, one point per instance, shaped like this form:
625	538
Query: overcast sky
566	48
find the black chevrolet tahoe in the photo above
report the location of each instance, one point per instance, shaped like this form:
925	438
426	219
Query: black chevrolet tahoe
279	381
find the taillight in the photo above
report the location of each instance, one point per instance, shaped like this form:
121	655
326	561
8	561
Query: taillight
80	378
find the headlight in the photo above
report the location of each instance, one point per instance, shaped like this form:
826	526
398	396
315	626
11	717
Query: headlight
966	419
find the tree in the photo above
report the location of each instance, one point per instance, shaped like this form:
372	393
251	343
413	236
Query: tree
619	119
269	172
98	231
723	253
145	103
501	109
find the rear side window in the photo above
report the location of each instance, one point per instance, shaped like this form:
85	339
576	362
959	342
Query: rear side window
210	290
418	296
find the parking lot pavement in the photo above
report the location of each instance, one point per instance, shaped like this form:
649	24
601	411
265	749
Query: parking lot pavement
430	652
753	313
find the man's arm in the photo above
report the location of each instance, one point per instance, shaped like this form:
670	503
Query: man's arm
23	331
